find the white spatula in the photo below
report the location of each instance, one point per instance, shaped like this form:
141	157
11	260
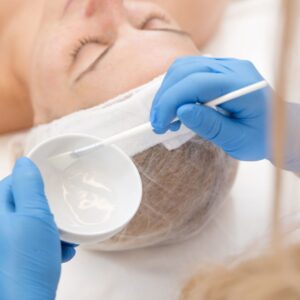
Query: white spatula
64	160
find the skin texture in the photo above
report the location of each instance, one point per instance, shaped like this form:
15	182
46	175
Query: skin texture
198	17
40	67
15	105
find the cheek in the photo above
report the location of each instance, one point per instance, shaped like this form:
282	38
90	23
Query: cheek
47	84
152	58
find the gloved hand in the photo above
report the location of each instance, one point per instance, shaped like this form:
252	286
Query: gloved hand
30	249
192	81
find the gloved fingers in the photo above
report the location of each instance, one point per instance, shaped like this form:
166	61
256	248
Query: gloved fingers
67	251
202	61
225	59
185	66
6	196
28	188
243	70
212	126
238	65
198	87
175	126
66	244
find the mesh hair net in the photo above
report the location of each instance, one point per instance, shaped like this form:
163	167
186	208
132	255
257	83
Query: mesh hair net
182	189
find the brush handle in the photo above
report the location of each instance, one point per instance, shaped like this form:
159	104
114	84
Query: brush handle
238	93
148	127
112	140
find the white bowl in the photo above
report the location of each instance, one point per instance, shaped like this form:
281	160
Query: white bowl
95	198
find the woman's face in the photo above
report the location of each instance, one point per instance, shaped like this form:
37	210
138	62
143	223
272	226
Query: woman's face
88	51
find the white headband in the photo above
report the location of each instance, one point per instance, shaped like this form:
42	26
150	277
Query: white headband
114	116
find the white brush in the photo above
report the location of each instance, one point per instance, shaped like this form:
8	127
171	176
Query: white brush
64	160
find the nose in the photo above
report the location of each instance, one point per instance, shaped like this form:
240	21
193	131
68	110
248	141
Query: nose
105	7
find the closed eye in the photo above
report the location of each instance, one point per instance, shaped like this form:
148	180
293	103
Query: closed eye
82	43
94	64
161	18
154	20
158	22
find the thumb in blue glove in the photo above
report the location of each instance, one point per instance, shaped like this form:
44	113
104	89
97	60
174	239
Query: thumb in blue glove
30	249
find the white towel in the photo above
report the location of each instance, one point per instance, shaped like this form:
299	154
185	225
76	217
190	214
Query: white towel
117	115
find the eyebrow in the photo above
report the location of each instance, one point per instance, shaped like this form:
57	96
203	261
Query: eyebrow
103	54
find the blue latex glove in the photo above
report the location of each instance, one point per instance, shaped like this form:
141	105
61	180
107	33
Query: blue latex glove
192	81
30	249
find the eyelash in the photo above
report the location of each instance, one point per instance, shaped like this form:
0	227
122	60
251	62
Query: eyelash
82	43
154	16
